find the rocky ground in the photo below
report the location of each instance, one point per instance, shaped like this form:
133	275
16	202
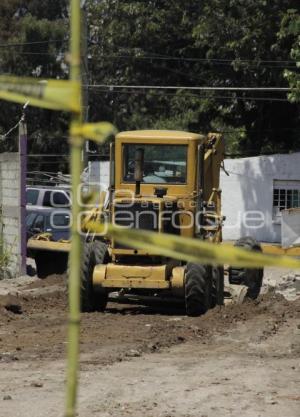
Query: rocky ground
135	360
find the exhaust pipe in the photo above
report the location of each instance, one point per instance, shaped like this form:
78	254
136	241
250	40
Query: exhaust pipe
138	169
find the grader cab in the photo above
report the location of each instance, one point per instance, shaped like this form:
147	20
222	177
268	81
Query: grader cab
168	182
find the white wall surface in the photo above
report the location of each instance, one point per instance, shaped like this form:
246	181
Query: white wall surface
247	193
249	188
99	173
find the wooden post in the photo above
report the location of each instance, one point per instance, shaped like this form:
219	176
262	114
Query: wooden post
22	185
76	142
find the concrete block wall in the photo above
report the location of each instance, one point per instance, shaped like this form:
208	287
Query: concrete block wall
10	212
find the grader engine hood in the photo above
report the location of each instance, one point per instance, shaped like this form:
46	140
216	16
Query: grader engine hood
153	214
137	214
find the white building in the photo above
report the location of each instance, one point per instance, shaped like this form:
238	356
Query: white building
253	194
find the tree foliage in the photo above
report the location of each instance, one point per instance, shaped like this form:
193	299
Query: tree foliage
290	28
33	42
221	43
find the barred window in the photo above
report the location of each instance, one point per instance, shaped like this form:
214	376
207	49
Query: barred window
286	195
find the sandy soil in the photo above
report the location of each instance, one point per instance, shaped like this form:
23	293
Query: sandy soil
234	361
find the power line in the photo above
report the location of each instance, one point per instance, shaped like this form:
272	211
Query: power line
239	98
252	67
176	58
158	56
12	45
40	53
6	135
222	62
154	56
48	163
42	155
172	58
171	87
259	130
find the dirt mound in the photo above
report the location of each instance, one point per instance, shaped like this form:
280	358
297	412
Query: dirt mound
12	306
123	331
51	280
10	303
257	341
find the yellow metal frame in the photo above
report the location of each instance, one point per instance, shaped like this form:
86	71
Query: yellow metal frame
48	245
130	276
184	194
112	275
272	249
177	281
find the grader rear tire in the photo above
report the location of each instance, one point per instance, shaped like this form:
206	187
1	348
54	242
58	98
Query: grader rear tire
197	289
252	278
217	297
94	253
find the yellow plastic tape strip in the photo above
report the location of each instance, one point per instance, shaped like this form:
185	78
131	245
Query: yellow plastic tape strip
49	94
192	250
98	132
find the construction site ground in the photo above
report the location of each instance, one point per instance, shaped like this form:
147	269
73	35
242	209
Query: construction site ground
238	360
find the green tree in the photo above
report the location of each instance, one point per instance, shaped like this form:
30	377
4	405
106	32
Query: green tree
290	29
234	43
218	43
33	43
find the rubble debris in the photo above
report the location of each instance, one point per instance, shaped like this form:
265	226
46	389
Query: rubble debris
11	303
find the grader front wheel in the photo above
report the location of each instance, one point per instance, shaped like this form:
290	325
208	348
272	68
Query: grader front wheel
92	299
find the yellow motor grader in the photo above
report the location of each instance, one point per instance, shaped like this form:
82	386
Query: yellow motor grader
164	181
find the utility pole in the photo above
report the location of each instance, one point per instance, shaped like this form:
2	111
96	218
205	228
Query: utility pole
23	175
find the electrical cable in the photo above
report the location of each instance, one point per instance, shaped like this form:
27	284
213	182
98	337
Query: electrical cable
191	95
5	136
229	62
12	45
198	88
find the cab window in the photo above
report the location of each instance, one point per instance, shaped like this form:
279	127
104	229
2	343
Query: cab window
162	163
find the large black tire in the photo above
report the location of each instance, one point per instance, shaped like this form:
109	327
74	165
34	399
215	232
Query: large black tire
94	253
252	278
43	263
217	296
198	287
48	263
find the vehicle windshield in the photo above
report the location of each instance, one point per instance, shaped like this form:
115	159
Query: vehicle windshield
32	196
162	163
58	221
30	219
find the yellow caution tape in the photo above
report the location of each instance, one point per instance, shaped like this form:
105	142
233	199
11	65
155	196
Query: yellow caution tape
192	250
98	132
49	94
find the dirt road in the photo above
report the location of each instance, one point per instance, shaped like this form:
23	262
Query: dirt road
238	360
